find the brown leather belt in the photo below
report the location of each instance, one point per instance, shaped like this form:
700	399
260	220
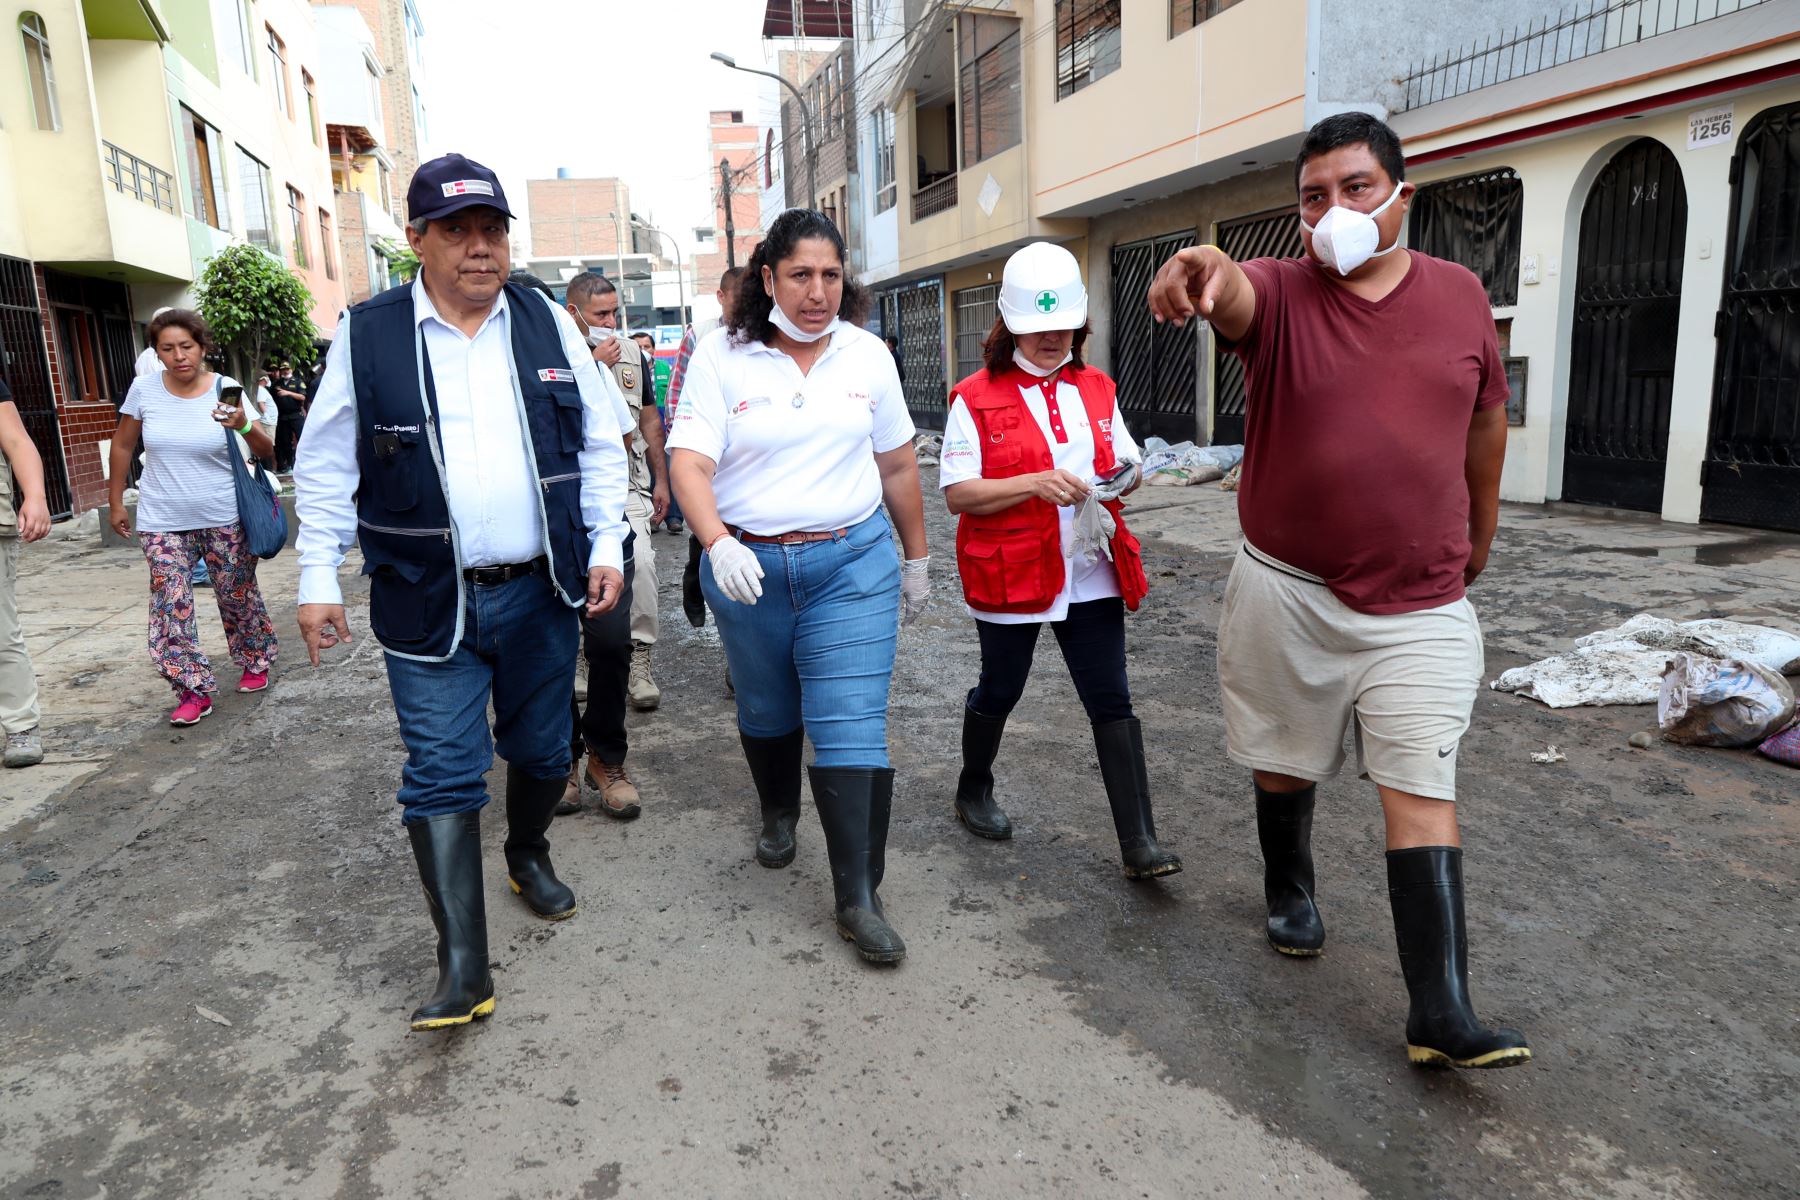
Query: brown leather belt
790	539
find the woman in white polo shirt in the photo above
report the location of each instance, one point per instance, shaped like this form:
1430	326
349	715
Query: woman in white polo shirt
791	436
1027	438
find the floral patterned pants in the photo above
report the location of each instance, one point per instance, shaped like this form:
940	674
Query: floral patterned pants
174	638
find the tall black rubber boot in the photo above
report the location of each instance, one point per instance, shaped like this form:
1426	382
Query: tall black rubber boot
975	805
1284	827
1120	745
448	851
529	805
1426	890
693	600
854	806
775	768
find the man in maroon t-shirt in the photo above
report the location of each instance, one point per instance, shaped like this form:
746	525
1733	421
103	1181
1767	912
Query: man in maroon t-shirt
1374	433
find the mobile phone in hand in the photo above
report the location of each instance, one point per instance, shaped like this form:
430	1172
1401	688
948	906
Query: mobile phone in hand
229	399
1123	469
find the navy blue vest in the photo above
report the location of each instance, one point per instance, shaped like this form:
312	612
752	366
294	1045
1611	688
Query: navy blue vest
409	543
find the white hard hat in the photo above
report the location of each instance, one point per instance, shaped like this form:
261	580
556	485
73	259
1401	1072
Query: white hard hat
1041	289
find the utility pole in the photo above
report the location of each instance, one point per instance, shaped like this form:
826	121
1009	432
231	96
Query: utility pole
725	198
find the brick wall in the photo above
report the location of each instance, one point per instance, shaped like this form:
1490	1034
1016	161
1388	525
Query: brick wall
82	424
569	217
353	246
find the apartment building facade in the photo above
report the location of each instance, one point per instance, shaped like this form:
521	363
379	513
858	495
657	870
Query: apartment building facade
367	184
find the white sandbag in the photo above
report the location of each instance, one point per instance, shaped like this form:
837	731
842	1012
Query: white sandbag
1615	673
1774	648
1721	702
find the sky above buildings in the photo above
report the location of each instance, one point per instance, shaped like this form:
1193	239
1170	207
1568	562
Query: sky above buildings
602	87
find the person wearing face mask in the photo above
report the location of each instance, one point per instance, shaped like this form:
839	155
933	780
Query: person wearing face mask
1374	435
791	437
1026	441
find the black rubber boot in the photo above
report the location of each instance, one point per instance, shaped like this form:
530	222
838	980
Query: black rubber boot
693	600
529	804
1120	745
1426	891
975	805
1284	827
448	851
775	767
854	806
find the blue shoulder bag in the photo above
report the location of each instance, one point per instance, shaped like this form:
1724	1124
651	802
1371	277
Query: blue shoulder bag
265	524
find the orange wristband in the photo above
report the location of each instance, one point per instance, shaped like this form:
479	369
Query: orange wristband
717	540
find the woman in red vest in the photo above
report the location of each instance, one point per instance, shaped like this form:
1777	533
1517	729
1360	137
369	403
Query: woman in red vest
1026	440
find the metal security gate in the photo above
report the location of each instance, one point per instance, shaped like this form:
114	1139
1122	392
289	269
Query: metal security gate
1752	470
1627	312
1153	365
915	315
27	372
976	310
1272	234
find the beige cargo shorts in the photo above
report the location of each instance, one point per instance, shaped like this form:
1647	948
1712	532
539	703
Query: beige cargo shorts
1299	668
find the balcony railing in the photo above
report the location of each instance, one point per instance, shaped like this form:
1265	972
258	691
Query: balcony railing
1588	27
133	176
934	197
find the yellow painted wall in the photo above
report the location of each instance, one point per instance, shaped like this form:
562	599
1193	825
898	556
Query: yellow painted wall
60	205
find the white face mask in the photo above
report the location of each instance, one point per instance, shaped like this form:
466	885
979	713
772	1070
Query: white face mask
782	322
1030	368
1345	239
599	333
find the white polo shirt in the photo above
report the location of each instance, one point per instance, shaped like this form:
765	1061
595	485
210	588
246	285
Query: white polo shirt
961	461
794	451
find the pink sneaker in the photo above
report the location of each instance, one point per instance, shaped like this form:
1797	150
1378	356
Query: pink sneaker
254	681
193	706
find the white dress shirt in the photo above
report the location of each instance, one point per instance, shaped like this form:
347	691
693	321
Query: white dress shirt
793	451
492	481
960	461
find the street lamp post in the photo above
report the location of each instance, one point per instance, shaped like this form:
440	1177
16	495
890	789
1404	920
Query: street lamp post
812	182
680	271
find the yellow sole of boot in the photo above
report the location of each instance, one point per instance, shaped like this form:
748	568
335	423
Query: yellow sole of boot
561	916
1425	1056
1291	952
485	1008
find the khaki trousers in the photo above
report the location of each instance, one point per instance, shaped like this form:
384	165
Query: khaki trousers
18	683
643	581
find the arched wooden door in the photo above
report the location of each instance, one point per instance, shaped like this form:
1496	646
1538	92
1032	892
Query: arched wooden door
1627	313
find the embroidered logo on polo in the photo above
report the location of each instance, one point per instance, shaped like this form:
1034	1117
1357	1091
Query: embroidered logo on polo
554	374
744	406
468	187
394	428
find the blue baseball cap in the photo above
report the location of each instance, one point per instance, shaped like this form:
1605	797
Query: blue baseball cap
451	183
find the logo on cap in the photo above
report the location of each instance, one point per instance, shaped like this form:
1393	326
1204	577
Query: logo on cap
1046	302
468	187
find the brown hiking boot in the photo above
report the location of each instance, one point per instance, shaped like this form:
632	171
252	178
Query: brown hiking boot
571	797
618	795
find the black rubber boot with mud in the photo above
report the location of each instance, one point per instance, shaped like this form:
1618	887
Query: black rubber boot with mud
1120	745
854	806
1284	827
1425	889
529	805
975	805
448	851
775	768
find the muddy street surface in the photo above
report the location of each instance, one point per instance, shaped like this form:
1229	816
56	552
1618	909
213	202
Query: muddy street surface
698	1029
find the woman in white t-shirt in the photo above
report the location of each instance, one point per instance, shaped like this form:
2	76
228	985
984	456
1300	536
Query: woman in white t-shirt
791	436
1026	440
191	421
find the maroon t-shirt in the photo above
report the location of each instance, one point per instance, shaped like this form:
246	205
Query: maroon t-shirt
1357	424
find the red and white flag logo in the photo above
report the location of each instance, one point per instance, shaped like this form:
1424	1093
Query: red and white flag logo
468	187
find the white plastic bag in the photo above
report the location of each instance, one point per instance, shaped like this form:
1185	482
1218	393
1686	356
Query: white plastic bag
1721	702
1093	531
1774	648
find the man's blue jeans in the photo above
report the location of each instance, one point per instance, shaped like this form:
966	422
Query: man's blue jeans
518	646
818	646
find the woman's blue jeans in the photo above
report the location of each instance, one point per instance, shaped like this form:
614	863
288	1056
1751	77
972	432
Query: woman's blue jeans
818	647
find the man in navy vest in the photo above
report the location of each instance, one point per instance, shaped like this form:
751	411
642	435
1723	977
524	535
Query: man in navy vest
463	436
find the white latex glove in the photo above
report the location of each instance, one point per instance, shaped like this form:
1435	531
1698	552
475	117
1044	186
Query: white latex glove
736	570
915	588
1119	486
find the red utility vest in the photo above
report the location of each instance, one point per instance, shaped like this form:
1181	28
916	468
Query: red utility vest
1011	561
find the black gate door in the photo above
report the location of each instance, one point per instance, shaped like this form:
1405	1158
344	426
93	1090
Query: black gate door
1273	234
27	372
1153	365
1627	310
1752	470
918	321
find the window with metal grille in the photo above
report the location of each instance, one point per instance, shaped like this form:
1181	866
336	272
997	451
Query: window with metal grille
976	310
40	76
1186	14
881	121
1477	221
989	85
278	70
1087	43
297	225
259	201
206	170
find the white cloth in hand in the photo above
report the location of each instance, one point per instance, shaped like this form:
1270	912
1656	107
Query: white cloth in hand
1094	528
915	588
736	570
